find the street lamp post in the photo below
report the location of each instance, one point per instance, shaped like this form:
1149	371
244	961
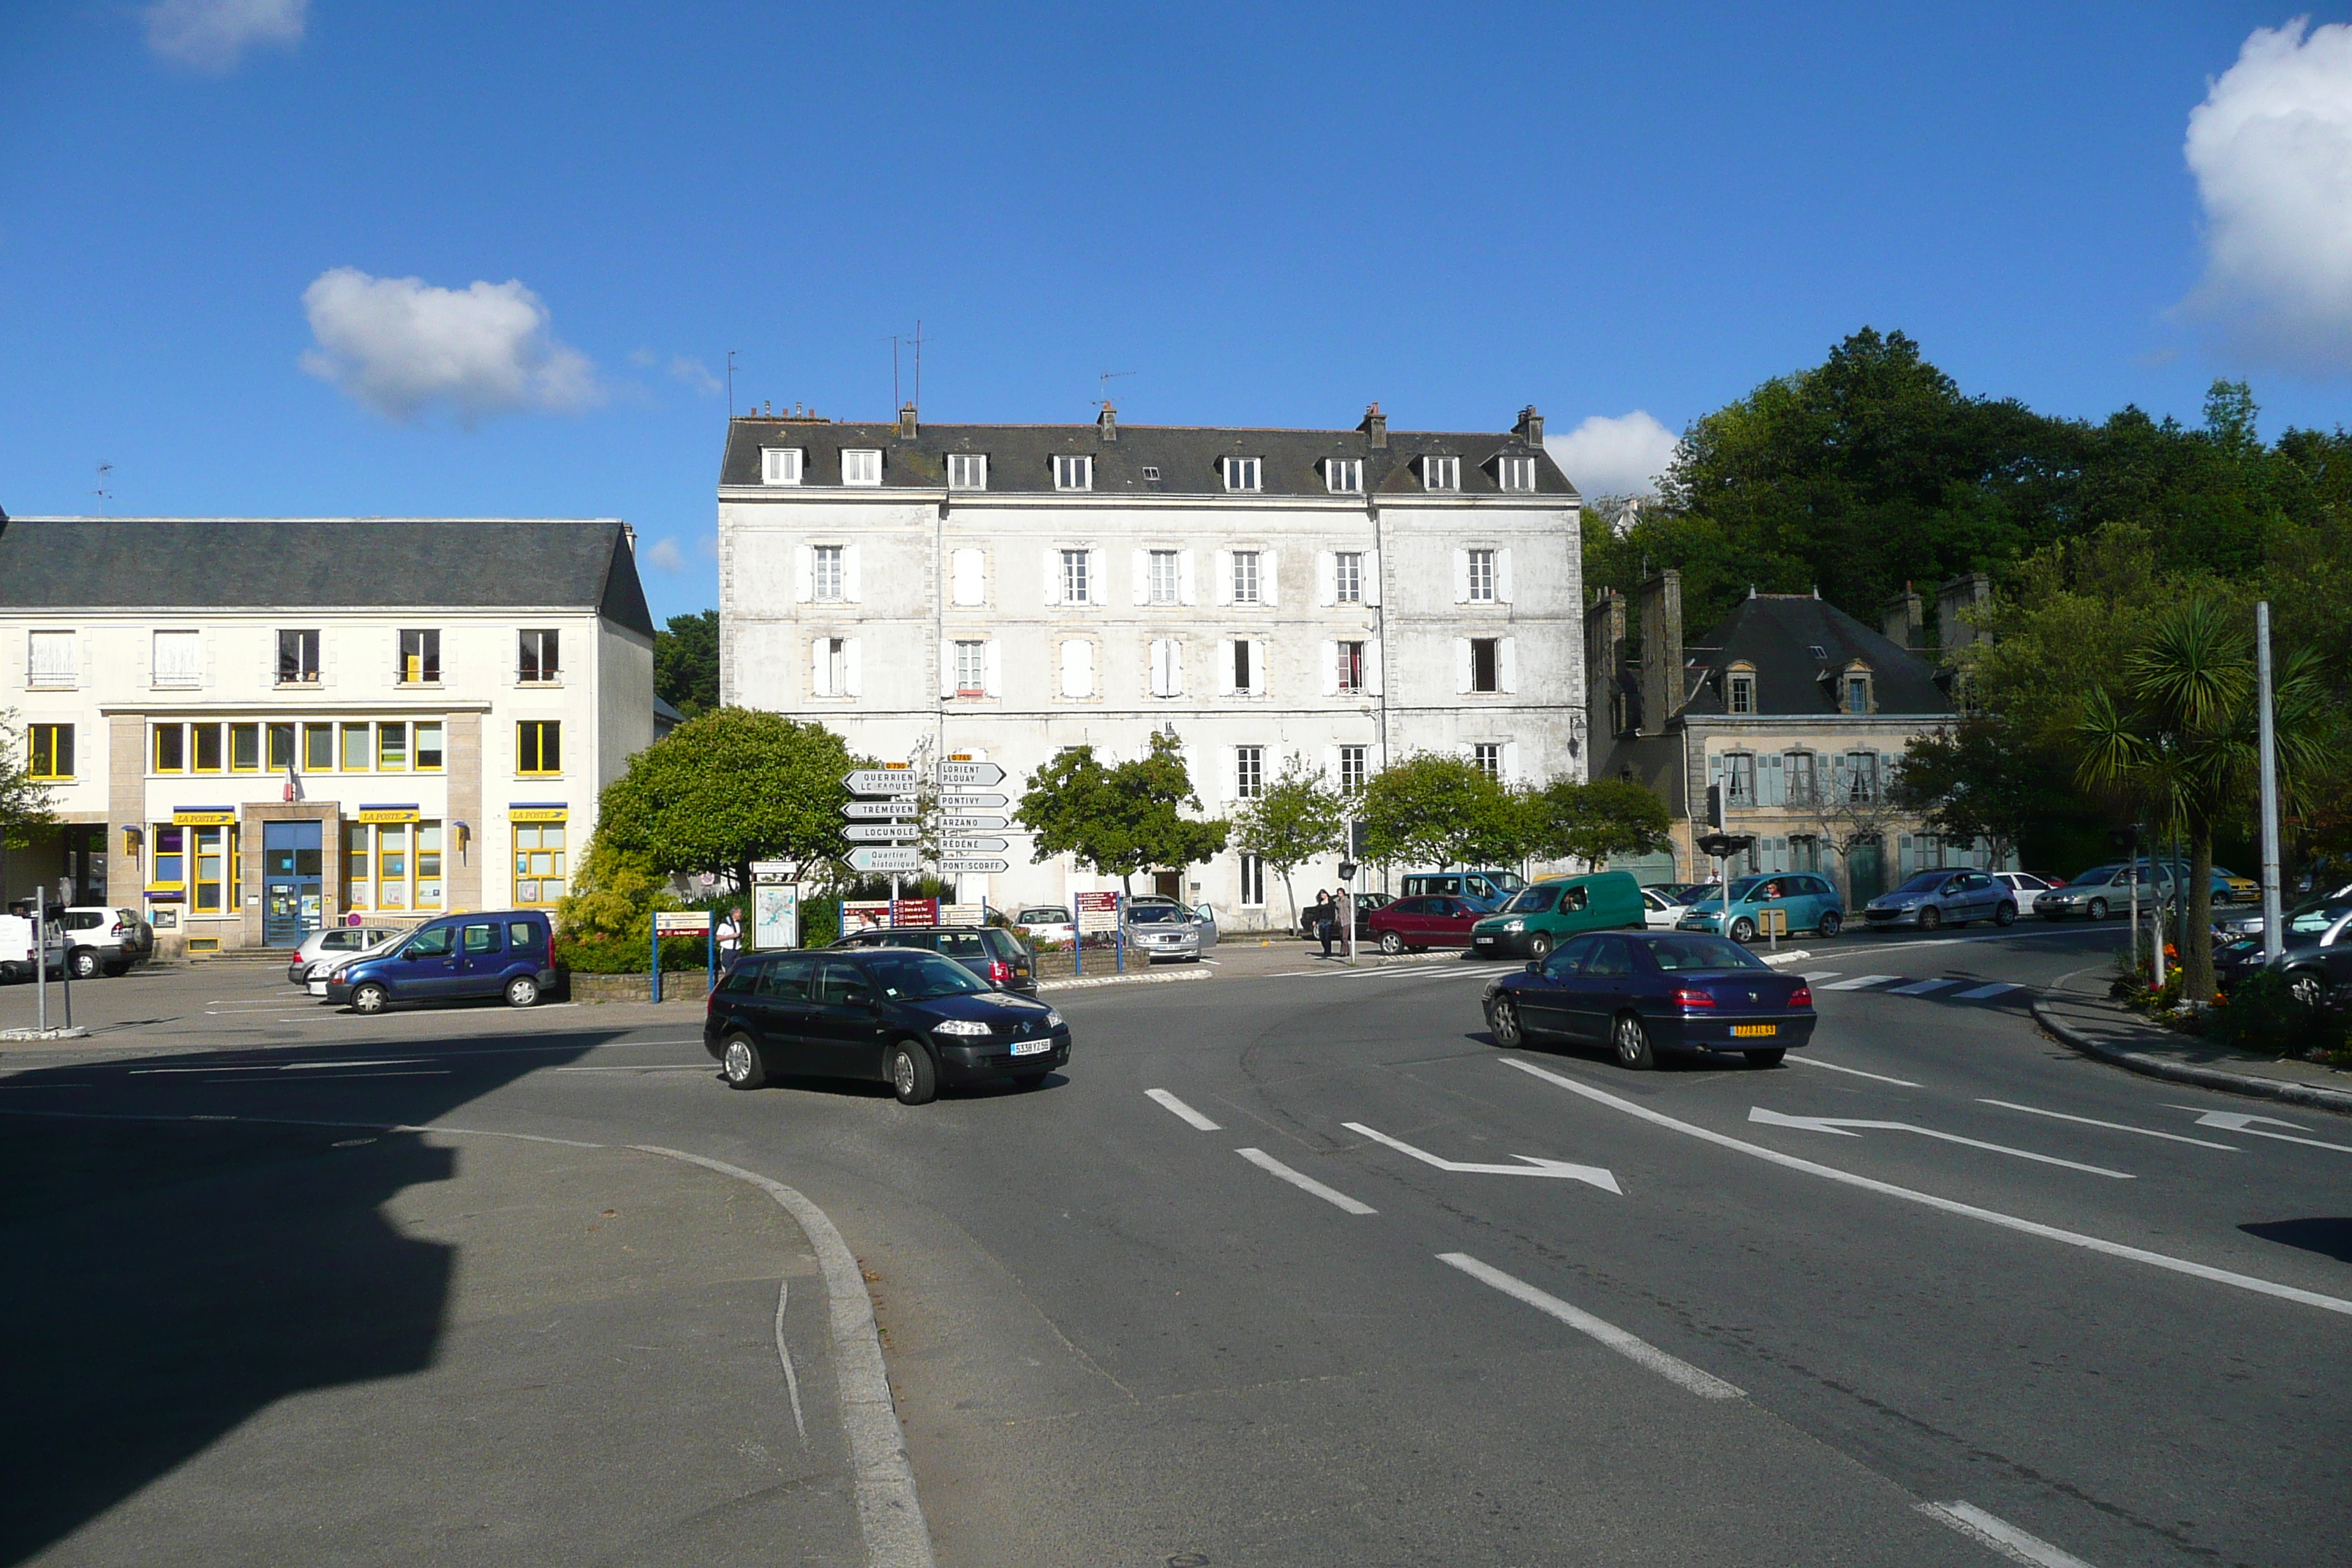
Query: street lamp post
2273	939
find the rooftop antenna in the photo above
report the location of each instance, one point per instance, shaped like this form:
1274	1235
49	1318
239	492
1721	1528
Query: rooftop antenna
1106	377
918	362
101	492
730	384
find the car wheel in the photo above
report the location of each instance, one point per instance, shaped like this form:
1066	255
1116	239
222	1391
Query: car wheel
1743	929
1831	923
522	991
2005	916
1633	1045
2098	909
1768	1057
369	998
740	1064
85	964
1504	1019
1931	920
1540	947
2307	988
1392	944
912	1078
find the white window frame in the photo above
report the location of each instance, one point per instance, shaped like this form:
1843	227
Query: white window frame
1470	667
1243	474
1249	772
1077	577
1486	756
1164	672
1515	473
1846	684
1340	684
781	465
1739	692
62	668
1441	473
1484	576
1348	577
192	643
829	573
1073	472
1344	476
967	470
1353	767
970	668
1250	577
834	667
1166	583
1253	891
861	465
1074	673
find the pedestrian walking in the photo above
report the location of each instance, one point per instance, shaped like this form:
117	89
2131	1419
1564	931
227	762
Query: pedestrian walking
730	938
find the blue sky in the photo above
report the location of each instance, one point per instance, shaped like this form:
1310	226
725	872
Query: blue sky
1269	215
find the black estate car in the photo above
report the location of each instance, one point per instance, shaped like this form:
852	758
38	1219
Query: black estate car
1641	991
908	1018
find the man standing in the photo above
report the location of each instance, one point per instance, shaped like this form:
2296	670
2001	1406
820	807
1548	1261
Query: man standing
1322	916
730	938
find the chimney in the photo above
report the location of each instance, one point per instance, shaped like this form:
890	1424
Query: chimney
1107	423
1904	622
1375	425
1604	656
906	422
1530	427
1662	688
1962	592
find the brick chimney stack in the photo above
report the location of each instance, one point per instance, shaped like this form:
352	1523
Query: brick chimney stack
1375	425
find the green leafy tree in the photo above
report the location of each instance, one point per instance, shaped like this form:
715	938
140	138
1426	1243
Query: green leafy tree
1570	820
1297	818
686	663
1119	819
24	800
1434	809
729	787
1985	778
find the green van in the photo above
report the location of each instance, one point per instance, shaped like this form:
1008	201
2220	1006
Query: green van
1541	916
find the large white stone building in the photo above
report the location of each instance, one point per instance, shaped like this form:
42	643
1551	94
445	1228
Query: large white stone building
253	727
1346	597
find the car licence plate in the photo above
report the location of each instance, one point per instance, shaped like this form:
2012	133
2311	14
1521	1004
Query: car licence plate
315	987
1748	1031
1032	1047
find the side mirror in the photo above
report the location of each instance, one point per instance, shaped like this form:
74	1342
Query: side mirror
856	997
1535	966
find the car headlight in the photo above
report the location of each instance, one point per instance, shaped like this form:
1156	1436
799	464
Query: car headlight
959	1027
1052	1019
1515	926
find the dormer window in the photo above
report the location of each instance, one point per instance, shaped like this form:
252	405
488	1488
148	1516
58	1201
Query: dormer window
1855	694
861	465
1241	473
779	465
1739	692
967	470
1343	476
1515	473
1074	473
1441	473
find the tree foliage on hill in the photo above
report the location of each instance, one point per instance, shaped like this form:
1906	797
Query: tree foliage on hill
1119	818
686	663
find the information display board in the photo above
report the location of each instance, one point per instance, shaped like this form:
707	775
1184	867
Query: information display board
1097	912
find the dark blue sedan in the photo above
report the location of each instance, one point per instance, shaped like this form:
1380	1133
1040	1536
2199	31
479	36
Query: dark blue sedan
1644	992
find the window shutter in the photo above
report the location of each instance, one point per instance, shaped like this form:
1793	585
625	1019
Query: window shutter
1226	687
1223	586
1462	580
853	671
992	658
1462	671
329	662
1510	661
1327	578
970	577
268	659
1233	774
1373	661
1330	667
1503	574
1510	761
1257	666
1714	771
212	662
820	669
1052	575
803	573
1157	672
1266	577
1141	566
1096	583
1187	592
850	576
1371	576
1175	667
1767	782
946	668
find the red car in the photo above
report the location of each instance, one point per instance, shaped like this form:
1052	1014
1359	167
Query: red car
1426	921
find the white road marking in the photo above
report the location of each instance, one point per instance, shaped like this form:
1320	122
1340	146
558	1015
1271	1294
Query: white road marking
2242	1122
652	1067
1182	1110
1806	1061
1535	1166
1998	988
1815	977
1305	1183
2000	1536
1842	1126
382	1062
2113	1126
1675	1370
1921	987
1858	981
1948	1206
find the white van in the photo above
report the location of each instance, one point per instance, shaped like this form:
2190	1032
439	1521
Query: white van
16	949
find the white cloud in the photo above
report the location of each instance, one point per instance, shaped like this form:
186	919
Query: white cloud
213	35
696	374
666	555
2272	150
402	347
1615	456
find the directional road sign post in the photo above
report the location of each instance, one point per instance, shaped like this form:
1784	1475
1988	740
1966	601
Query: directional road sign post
969	775
873	860
952	866
969	824
883	781
884	809
882	832
954	800
973	845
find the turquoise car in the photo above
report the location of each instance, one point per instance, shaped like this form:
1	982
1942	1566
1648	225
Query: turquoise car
1806	899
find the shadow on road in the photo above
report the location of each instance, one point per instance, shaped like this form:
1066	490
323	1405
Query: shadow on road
2328	1238
175	1263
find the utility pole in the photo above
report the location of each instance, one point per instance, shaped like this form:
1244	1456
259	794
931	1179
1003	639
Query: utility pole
730	384
2273	939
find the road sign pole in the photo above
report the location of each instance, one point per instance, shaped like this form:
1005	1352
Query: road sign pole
2273	939
656	960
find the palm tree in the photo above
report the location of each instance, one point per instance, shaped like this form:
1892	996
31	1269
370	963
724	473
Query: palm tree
2177	746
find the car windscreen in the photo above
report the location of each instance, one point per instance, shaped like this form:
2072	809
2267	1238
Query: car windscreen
1510	881
1155	914
1925	882
1675	954
1702	893
1532	901
904	975
1745	888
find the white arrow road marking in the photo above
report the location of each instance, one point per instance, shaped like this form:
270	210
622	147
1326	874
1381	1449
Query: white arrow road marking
1860	981
1815	976
1304	1183
1199	1122
1997	989
1929	1199
1594	1175
2001	1536
1806	1061
1842	1126
1921	987
2113	1126
2240	1121
1707	1386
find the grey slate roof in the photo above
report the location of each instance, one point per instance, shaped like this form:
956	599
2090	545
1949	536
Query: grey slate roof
88	564
1777	632
1021	456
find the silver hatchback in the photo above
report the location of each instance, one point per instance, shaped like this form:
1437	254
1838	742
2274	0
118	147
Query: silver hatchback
1954	895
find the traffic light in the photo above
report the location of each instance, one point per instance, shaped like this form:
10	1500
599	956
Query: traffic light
1358	833
1723	845
1715	806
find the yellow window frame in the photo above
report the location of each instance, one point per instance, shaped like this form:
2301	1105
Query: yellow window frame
155	748
531	747
34	735
252	734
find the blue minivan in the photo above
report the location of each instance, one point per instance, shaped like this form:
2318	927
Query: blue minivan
506	953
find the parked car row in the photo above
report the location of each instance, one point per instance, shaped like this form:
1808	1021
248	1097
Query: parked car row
2315	951
85	939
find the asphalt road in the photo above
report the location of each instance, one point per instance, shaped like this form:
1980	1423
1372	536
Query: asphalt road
2034	1301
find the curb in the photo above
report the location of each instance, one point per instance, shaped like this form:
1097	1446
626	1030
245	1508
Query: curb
2304	1094
889	1514
1087	982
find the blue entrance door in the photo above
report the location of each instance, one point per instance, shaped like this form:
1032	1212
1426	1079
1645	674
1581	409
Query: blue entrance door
292	897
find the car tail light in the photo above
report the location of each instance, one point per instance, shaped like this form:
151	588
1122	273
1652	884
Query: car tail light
999	971
1803	996
1692	996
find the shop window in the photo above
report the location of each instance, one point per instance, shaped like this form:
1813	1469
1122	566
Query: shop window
420	658
539	746
539	863
211	869
171	747
319	748
539	659
245	748
359	881
391	748
205	742
391	866
53	750
355	748
429	745
167	866
428	865
281	747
